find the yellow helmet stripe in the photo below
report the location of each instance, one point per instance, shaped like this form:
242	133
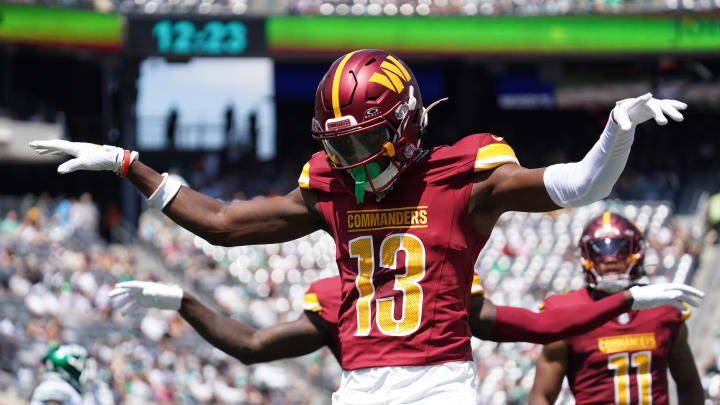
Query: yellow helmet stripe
606	218
336	84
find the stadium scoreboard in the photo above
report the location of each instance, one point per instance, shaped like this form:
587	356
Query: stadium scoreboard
180	36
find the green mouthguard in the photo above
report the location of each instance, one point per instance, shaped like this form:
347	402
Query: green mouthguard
360	177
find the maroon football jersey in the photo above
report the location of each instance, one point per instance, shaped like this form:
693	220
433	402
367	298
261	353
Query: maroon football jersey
625	360
406	262
323	297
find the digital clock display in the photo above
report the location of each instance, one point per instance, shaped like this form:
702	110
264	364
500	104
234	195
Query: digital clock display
196	36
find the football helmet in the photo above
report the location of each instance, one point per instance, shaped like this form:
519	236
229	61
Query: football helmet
368	118
612	238
69	362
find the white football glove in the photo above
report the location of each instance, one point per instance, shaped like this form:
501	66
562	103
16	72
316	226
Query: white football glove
633	111
146	294
673	294
88	156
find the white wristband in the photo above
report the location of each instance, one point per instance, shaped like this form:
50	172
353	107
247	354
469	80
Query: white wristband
164	192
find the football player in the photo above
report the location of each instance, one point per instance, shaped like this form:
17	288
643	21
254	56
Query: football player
62	383
317	326
408	222
625	361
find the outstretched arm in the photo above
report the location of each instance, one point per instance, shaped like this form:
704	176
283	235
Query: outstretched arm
250	222
513	188
247	344
250	345
684	372
511	324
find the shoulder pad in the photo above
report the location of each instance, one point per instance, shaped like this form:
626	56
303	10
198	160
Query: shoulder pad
317	175
493	151
321	291
473	153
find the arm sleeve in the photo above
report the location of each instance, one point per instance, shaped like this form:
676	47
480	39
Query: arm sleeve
521	325
591	179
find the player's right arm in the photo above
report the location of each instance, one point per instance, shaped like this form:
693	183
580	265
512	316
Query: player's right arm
250	222
269	220
550	369
247	344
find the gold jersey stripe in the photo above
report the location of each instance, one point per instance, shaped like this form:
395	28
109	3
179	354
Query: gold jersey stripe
494	149
311	303
477	287
336	84
304	179
495	161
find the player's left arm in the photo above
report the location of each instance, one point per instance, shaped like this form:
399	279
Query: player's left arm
512	188
682	367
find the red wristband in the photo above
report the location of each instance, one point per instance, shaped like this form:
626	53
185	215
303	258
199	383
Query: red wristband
125	164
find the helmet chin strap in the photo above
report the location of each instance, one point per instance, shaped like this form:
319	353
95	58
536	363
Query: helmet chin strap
379	178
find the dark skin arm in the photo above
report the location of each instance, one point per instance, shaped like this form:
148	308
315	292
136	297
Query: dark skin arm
550	370
682	367
507	187
249	345
270	220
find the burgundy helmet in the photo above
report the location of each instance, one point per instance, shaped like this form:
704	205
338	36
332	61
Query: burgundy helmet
612	236
368	117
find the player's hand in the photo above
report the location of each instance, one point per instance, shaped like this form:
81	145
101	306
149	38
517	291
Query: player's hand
145	294
633	111
88	156
673	294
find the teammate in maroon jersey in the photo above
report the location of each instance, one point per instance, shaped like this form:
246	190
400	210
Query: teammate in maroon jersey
625	361
408	222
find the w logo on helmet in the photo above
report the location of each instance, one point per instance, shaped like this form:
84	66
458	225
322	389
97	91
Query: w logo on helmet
393	76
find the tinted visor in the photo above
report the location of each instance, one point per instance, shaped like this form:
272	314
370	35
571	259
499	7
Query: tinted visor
352	149
601	248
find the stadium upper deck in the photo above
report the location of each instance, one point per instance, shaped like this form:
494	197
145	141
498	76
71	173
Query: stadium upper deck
383	7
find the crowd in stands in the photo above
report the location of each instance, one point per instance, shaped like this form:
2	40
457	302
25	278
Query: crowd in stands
55	275
381	7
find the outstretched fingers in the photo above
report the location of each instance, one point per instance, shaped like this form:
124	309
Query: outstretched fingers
686	289
53	147
654	106
671	110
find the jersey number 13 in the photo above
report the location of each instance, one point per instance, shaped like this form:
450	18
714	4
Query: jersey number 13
407	282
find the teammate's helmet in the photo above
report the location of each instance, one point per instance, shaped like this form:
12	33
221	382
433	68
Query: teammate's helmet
368	117
69	362
612	237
